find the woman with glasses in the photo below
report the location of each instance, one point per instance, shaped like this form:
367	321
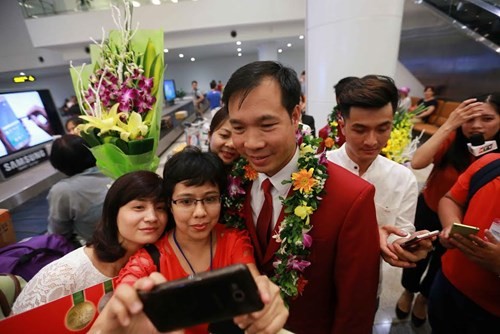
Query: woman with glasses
195	242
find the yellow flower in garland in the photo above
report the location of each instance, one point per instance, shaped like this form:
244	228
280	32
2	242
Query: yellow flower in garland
304	181
303	212
305	149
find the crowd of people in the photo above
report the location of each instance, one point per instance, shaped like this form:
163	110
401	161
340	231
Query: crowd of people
347	214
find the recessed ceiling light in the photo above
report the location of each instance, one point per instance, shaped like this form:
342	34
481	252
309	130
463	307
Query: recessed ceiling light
238	43
280	50
239	54
301	37
22	73
238	49
181	55
174	1
165	50
136	4
498	50
156	2
193	58
289	45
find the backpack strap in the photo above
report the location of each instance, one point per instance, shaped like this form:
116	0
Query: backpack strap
5	306
155	254
482	177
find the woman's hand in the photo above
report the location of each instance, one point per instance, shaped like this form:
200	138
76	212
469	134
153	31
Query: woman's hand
466	110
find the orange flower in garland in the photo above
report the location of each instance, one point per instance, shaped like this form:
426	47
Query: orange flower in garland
250	173
329	142
304	181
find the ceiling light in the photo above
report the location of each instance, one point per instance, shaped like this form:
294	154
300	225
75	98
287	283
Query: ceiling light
165	50
181	55
193	58
289	45
239	54
156	2
280	50
238	49
136	4
22	73
238	43
301	37
498	50
174	1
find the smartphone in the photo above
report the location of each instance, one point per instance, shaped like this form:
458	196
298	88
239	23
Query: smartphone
212	296
13	133
462	229
416	239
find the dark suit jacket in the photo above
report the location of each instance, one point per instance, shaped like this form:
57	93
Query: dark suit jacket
309	120
341	293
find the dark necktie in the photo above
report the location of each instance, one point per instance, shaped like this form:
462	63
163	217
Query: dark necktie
264	224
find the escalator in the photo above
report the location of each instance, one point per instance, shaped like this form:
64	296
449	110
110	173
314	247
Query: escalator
453	45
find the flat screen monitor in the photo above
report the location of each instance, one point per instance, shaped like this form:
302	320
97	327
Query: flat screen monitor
27	119
169	90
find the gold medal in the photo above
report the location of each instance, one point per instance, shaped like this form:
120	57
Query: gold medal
81	314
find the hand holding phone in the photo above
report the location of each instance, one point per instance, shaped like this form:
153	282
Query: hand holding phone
463	229
207	297
416	239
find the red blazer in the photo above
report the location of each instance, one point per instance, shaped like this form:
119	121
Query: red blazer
323	133
341	293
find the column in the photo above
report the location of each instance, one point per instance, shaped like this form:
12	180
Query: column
268	51
348	38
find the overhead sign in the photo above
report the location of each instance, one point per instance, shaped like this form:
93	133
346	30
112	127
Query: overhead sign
23	78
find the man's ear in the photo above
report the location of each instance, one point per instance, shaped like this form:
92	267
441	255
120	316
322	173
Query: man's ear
296	116
341	122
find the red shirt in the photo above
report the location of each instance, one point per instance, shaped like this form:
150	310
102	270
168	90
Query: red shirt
480	285
233	246
441	178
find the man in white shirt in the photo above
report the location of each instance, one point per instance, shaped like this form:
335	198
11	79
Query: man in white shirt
367	105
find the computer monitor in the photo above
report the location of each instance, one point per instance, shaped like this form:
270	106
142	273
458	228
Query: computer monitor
28	120
169	90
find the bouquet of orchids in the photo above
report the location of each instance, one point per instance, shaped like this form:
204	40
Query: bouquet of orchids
401	146
119	96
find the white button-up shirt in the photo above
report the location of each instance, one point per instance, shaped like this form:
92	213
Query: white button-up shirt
396	189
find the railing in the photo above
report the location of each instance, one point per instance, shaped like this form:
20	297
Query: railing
475	16
33	9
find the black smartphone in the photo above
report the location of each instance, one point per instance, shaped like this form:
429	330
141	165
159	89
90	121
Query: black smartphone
207	297
416	239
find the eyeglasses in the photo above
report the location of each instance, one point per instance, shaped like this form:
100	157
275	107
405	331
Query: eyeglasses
190	203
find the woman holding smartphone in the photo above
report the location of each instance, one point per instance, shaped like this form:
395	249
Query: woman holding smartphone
447	150
195	241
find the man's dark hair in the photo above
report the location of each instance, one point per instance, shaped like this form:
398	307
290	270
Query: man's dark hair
339	86
248	77
70	155
138	185
371	91
194	81
213	84
192	167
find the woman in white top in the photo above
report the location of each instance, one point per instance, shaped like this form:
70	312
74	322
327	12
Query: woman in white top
133	215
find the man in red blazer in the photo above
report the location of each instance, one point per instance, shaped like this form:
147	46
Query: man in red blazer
340	295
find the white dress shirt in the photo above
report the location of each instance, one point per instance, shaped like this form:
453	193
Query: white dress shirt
396	189
278	190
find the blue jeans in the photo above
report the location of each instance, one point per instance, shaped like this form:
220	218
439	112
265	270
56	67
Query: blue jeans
450	311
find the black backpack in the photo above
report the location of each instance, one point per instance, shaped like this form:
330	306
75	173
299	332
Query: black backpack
484	175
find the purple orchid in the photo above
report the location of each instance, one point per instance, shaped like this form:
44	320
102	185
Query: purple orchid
306	240
234	188
298	265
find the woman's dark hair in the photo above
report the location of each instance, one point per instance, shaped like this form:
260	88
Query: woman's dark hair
248	77
76	120
142	185
458	154
194	168
371	91
220	117
70	155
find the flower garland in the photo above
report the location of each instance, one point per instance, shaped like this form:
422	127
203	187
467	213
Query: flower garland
308	183
331	141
